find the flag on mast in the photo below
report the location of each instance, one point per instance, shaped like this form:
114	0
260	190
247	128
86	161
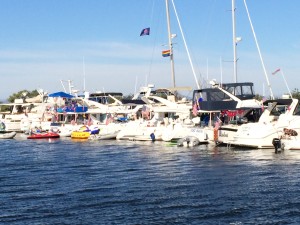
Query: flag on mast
166	53
276	71
145	31
195	109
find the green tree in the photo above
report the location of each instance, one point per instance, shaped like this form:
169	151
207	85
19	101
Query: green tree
22	94
129	96
295	93
258	97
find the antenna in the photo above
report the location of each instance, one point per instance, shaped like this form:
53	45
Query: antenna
221	68
207	69
234	42
61	81
135	88
83	75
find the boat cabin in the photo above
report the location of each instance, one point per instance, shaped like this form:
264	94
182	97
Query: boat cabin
215	99
104	98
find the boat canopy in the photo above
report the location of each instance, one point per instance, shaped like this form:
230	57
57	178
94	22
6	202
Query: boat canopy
215	99
61	94
104	98
133	102
243	91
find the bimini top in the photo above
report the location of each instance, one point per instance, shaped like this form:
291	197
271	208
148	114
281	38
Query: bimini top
215	99
242	90
61	94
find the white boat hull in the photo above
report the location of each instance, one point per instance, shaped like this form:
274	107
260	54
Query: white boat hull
8	135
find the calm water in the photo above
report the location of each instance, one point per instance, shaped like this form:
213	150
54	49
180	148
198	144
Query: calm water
111	182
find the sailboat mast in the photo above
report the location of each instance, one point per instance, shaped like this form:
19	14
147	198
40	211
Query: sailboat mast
170	44
234	42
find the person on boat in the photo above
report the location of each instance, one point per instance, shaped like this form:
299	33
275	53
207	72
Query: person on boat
38	129
35	130
145	113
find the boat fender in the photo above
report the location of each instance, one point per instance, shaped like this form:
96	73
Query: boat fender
152	136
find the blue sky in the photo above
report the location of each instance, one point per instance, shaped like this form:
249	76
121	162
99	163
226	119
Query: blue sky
44	42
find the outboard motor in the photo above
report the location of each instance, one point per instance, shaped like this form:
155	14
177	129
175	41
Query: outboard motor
277	144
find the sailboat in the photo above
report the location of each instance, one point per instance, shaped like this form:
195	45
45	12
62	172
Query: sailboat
223	107
166	114
277	115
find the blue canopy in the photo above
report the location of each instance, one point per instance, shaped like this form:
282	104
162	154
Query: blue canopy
61	94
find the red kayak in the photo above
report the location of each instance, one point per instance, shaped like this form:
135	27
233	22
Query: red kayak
43	135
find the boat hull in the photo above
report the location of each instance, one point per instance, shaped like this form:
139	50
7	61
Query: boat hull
80	135
43	135
107	136
8	135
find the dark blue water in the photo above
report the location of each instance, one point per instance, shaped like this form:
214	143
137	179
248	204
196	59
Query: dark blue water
110	182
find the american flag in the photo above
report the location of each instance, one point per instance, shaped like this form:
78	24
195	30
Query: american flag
195	109
276	71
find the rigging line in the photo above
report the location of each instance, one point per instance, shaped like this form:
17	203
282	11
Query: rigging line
154	43
150	3
152	12
281	71
211	10
261	59
186	47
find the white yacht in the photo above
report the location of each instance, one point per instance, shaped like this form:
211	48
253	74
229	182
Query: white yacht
289	139
280	114
19	115
223	107
159	117
68	114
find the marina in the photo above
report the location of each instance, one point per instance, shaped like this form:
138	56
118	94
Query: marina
122	143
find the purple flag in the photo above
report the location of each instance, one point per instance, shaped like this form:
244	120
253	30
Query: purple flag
145	31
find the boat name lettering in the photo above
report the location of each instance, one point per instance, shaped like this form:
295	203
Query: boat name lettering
222	134
197	130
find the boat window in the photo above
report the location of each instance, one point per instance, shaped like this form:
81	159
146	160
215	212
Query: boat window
247	90
204	97
238	91
297	110
276	111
